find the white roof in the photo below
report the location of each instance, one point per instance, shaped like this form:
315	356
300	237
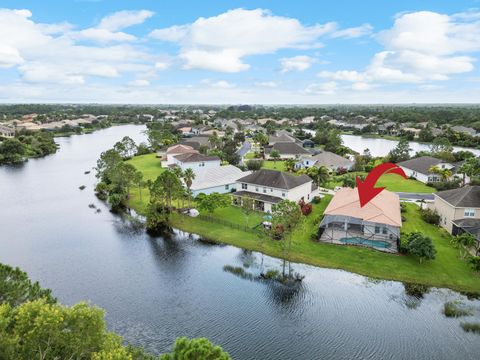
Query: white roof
217	176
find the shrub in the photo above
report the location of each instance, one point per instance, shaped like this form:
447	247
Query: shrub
316	200
456	309
420	246
341	171
471	327
430	216
403	207
475	263
306	209
254	165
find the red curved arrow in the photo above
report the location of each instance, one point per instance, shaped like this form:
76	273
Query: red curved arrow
367	190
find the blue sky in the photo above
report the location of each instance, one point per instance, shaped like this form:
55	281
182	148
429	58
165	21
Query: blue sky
272	52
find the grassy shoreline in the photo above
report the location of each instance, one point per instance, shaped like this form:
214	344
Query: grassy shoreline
446	271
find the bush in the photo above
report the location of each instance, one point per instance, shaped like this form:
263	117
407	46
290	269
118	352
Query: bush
341	171
316	200
471	327
420	246
430	216
254	165
306	209
475	263
456	309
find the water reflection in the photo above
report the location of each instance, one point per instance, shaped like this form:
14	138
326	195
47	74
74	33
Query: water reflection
155	289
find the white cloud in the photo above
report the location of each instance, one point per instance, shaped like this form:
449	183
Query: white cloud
139	82
421	46
123	19
296	63
353	32
43	56
220	84
102	35
327	88
267	84
162	65
221	42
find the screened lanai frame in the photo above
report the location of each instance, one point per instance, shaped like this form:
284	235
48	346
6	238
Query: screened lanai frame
334	228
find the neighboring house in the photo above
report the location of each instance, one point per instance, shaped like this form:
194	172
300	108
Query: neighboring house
308	120
269	187
419	168
459	210
325	158
287	150
282	136
6	132
464	130
196	142
375	225
172	151
222	179
195	161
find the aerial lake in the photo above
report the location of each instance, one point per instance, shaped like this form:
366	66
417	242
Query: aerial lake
157	289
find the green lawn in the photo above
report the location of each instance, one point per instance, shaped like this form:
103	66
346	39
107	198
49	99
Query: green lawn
148	164
392	182
274	165
250	155
447	270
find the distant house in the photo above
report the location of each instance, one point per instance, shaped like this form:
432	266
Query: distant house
325	158
196	142
6	132
172	151
375	225
281	136
196	161
287	150
308	120
269	187
464	130
419	168
221	179
459	210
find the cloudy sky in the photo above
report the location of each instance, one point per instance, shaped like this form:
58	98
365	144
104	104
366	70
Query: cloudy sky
272	52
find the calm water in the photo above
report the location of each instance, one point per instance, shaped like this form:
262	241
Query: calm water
156	289
381	147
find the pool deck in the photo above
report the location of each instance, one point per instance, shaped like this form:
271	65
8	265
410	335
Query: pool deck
334	236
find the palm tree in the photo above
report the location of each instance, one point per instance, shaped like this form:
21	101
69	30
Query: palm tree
445	174
188	177
319	174
179	172
290	164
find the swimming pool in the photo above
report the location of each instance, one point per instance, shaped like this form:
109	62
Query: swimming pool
360	241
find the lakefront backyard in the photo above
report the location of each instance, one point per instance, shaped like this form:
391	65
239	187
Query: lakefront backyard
446	270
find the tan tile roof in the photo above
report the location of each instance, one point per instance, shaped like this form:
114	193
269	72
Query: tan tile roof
181	149
384	208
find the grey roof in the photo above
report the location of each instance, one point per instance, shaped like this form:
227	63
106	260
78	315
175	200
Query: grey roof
195	157
467	196
421	164
469	225
6	128
329	159
257	196
289	148
276	179
464	129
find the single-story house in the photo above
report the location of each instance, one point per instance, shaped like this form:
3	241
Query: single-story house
196	161
269	187
179	149
419	168
325	158
282	136
375	225
6	132
221	179
287	150
464	130
459	210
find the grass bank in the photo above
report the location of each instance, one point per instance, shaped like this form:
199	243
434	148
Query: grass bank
447	270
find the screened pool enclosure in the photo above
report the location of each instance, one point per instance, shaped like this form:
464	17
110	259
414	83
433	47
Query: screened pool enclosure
341	229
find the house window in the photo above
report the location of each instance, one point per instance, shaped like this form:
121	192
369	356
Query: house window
308	196
256	189
283	194
264	190
227	187
244	186
469	213
384	231
202	164
271	190
377	229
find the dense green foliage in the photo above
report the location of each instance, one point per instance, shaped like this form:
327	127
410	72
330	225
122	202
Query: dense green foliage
34	326
25	145
420	246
